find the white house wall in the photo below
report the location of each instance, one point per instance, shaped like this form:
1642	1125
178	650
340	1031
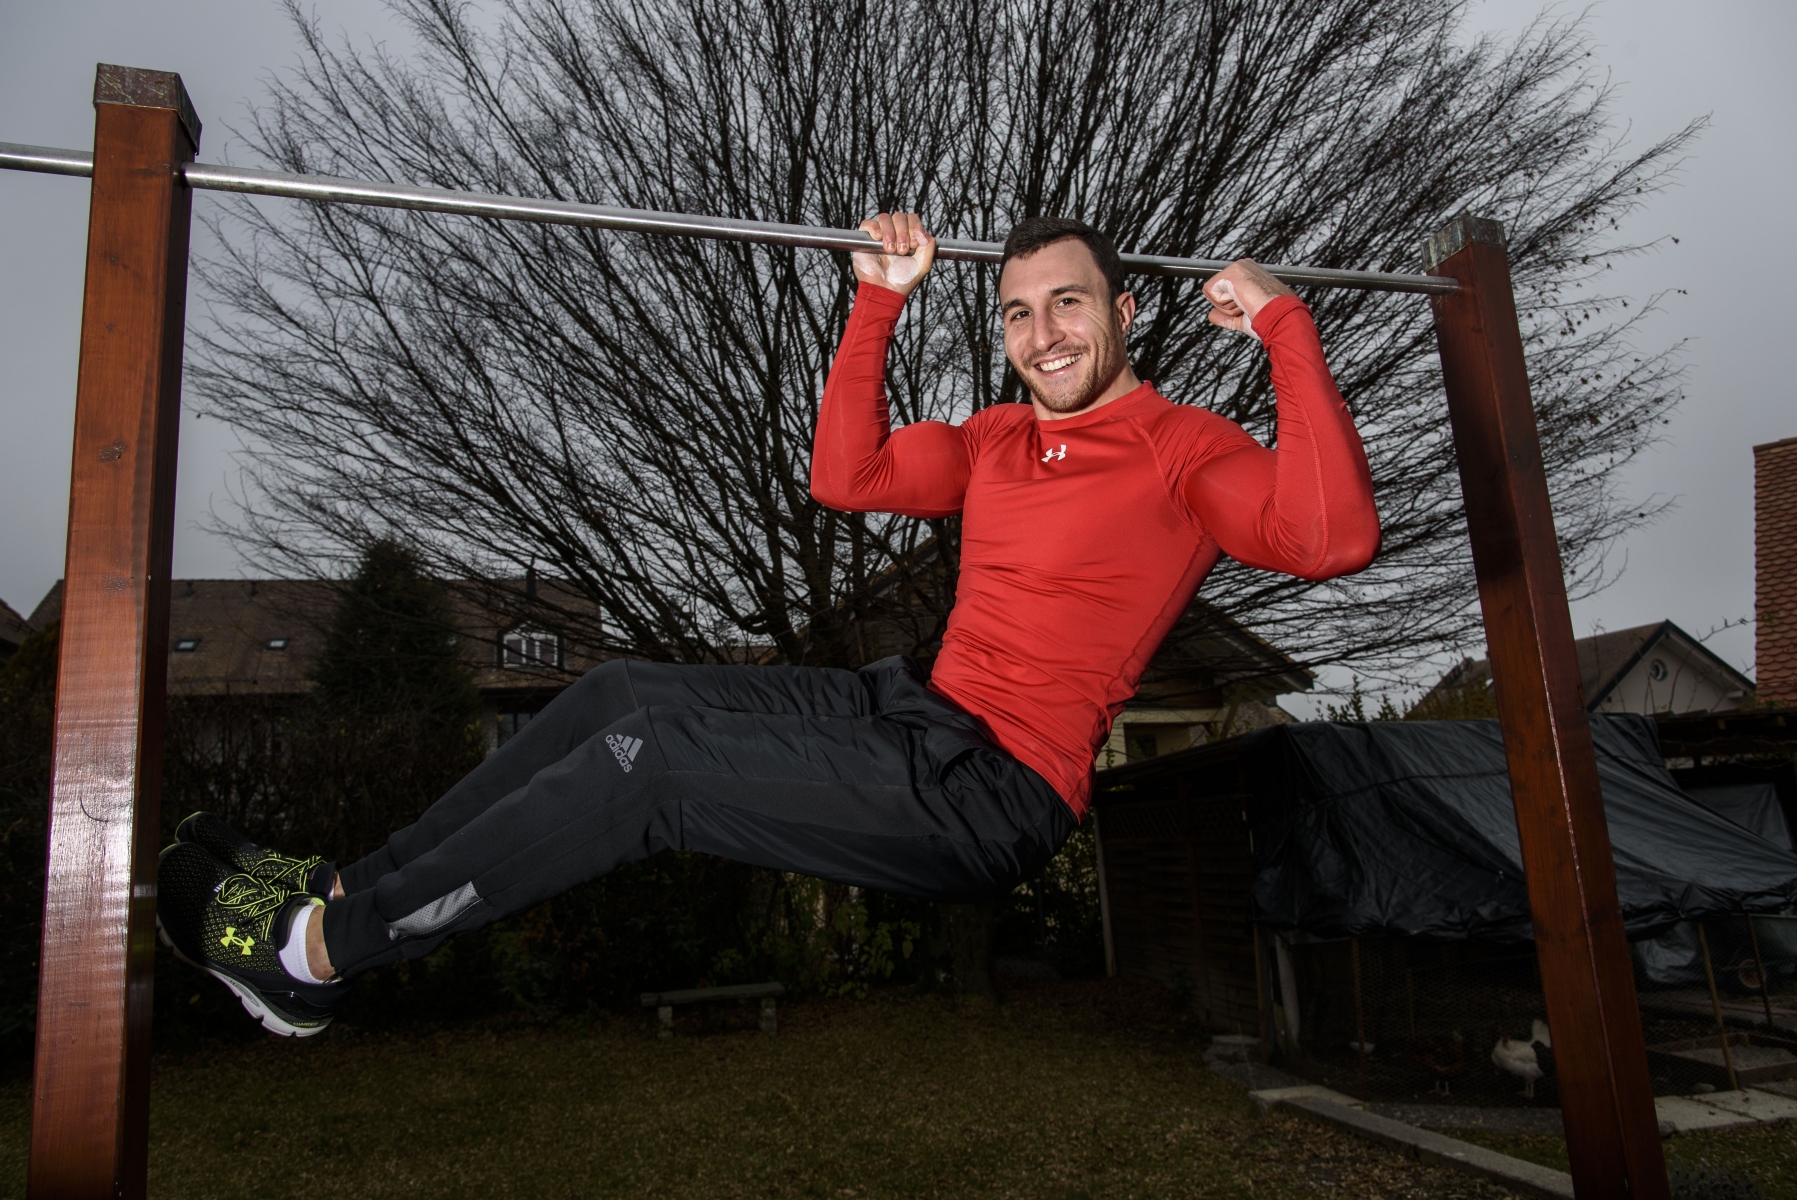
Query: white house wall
1690	684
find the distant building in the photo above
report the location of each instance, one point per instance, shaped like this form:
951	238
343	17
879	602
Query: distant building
262	637
1648	669
1775	570
1210	678
14	629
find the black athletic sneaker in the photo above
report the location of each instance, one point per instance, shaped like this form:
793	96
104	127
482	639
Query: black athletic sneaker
218	839
232	925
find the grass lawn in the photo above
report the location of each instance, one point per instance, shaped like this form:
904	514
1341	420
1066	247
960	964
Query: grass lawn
1765	1155
1069	1090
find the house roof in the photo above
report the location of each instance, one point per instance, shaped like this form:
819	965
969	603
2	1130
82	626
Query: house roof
48	609
1605	659
256	637
14	629
234	623
262	637
1206	644
1614	655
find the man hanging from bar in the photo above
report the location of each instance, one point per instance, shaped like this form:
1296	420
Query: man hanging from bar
1089	518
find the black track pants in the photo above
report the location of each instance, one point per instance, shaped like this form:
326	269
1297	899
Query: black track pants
862	777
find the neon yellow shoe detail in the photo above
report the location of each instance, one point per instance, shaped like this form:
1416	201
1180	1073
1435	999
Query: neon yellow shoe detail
231	925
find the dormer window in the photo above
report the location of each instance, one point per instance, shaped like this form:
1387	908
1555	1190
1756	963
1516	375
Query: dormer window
530	648
186	645
275	644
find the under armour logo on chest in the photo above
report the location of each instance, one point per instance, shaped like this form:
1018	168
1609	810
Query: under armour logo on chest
1054	454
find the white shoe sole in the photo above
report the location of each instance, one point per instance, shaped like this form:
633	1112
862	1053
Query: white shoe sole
252	1003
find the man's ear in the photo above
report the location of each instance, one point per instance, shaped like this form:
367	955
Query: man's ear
1125	310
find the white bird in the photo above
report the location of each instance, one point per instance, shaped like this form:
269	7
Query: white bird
1519	1060
1538	1033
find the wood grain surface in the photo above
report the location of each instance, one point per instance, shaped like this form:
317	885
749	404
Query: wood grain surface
91	1098
1606	1093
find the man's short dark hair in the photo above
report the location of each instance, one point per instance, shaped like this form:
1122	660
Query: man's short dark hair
1034	233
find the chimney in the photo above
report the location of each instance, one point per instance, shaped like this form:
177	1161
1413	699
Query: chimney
1775	570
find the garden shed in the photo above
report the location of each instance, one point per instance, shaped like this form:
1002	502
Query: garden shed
1218	861
1175	868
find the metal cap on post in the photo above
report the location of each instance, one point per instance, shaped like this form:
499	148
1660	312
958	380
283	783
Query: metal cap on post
90	1105
1457	235
1612	1134
139	88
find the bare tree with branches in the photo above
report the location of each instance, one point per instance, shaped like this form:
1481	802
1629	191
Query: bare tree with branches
634	415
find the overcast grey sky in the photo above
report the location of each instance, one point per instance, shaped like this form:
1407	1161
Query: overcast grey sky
1670	62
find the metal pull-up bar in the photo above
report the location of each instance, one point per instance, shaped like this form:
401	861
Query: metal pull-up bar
332	189
90	1134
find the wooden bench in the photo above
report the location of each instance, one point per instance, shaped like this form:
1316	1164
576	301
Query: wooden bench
664	1002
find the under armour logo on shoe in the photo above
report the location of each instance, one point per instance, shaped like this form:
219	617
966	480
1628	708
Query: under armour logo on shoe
1054	454
231	939
624	748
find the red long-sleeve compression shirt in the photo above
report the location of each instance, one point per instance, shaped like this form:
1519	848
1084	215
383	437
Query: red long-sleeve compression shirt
1084	539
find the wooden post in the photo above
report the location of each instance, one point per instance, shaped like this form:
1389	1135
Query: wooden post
1612	1134
1269	1027
1104	899
1765	972
89	1128
1709	973
1359	1019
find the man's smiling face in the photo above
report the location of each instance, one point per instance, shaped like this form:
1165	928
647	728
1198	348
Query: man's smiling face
1063	330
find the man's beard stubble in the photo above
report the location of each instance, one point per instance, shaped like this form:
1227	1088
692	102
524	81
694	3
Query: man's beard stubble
1107	361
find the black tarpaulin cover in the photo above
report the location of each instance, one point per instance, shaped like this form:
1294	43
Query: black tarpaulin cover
1752	806
1406	827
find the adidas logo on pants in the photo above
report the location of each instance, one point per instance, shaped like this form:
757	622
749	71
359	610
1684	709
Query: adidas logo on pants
624	748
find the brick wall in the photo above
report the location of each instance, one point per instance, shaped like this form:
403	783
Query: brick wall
1775	569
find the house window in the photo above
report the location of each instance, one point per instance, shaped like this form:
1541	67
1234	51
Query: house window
275	644
186	645
1140	745
511	724
1656	670
530	648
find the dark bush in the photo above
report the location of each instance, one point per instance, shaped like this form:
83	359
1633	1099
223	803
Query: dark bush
27	708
